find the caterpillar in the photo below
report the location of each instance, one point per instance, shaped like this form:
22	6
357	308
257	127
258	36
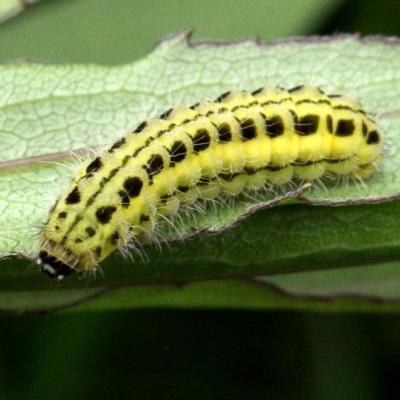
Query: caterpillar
239	142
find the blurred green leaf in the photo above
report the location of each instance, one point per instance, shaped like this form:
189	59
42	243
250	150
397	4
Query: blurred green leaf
45	110
97	31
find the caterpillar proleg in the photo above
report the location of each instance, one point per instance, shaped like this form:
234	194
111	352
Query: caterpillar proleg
239	142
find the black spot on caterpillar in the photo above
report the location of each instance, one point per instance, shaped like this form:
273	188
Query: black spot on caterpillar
73	197
239	142
104	214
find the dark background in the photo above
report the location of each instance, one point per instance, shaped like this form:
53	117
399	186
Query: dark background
168	354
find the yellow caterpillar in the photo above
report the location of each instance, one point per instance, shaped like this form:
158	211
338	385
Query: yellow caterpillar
239	142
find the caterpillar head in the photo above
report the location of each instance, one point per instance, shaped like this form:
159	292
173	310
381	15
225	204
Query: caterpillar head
53	267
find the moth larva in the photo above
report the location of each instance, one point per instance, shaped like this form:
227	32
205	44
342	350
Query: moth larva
239	142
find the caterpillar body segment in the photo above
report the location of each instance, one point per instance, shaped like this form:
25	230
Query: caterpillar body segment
240	141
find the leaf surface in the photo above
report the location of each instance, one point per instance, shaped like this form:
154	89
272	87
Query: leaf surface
49	111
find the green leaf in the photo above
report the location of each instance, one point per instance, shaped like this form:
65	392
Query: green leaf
88	34
46	110
369	288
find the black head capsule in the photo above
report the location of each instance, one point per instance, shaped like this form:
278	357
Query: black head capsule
53	267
